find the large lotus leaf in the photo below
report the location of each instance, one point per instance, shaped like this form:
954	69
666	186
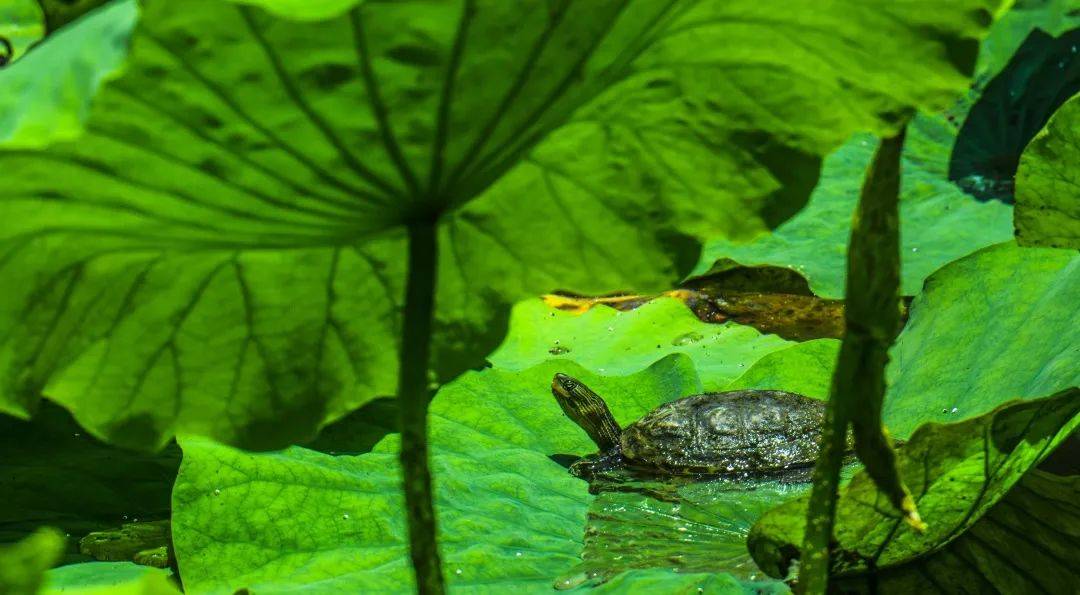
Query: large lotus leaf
1026	543
44	457
23	564
612	342
47	95
510	516
305	10
21	24
804	368
1048	183
997	325
940	223
108	578
202	258
956	473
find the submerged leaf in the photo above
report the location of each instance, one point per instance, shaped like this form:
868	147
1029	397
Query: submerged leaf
220	252
1048	182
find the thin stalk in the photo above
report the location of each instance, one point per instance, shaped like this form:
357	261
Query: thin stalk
413	400
872	319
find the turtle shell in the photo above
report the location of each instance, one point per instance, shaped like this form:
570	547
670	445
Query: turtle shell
729	432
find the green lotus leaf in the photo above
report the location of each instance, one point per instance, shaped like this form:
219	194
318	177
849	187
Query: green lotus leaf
23	564
221	251
510	517
940	223
22	25
38	109
108	578
804	368
957	472
304	10
1023	544
611	342
1048	185
951	364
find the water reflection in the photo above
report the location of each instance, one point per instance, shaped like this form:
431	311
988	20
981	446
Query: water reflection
686	527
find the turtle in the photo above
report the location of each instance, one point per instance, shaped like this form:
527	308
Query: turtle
740	432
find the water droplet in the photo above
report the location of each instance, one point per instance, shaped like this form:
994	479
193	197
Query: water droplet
682	529
345	516
518	555
125	517
558	350
1073	49
954	410
611	329
77	435
458	571
686	339
944	410
134	520
217	492
914	249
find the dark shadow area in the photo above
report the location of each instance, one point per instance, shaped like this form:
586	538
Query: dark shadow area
53	473
564	460
727	276
798	173
1014	105
1065	460
359	431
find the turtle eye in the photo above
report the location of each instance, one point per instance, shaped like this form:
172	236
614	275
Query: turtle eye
6	51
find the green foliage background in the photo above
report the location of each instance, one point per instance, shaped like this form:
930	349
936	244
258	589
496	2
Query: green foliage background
202	235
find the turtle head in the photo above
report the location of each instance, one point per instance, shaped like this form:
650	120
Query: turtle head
587	409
